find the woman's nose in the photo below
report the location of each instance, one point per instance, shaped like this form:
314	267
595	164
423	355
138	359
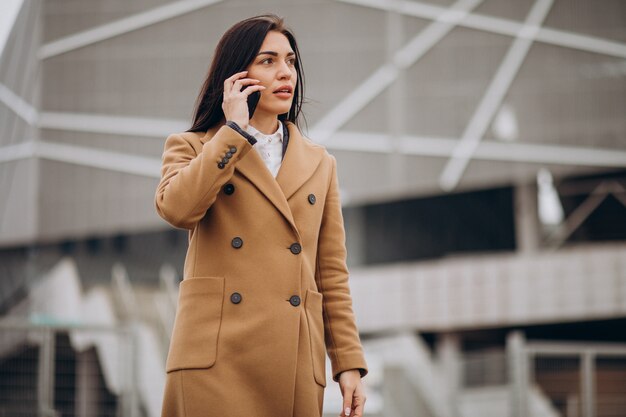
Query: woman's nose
284	71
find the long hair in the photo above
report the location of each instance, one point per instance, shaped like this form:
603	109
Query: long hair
235	51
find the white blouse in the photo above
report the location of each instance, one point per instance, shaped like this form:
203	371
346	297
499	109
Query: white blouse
270	147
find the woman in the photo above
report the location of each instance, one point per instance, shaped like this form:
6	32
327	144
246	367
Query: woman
265	290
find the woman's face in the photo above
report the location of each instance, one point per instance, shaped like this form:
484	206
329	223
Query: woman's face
275	69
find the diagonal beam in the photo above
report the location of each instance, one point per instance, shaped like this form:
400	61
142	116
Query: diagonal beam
122	26
384	76
500	26
493	96
579	215
18	105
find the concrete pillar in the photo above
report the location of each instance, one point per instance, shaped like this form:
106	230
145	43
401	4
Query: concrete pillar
527	226
449	355
88	386
518	374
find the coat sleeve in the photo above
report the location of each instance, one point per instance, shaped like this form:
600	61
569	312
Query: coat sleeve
340	332
189	181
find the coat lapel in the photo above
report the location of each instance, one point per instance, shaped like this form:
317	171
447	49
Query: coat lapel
253	168
298	165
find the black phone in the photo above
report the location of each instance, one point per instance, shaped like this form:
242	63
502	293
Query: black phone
253	100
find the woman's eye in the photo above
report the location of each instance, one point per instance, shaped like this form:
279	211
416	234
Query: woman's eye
266	60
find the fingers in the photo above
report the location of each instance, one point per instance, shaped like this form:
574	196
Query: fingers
251	89
358	405
347	403
234	103
353	402
235	83
228	82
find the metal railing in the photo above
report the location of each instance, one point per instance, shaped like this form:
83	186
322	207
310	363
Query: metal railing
58	369
579	379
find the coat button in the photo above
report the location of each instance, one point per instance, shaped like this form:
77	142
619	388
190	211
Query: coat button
312	198
229	189
232	149
224	160
294	300
235	298
229	154
237	242
221	165
295	248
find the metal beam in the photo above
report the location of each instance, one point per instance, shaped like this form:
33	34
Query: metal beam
491	150
491	100
18	105
584	210
18	151
112	125
98	158
343	141
85	156
500	26
354	102
121	26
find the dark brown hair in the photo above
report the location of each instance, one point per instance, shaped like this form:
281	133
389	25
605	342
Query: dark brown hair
235	51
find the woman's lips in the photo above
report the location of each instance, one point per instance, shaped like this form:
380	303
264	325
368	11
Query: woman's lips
283	95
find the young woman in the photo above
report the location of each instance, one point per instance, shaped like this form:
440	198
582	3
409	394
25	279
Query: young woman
265	291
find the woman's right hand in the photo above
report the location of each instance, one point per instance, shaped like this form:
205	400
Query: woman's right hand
235	104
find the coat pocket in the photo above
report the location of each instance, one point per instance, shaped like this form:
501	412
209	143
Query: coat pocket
197	324
315	321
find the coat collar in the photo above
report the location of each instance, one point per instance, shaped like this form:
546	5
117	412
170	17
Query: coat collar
300	160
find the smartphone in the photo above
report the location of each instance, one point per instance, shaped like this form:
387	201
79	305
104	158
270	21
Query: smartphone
253	100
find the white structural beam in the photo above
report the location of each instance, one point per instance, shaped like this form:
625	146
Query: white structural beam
18	105
112	125
584	210
9	10
84	156
345	141
17	151
491	100
388	73
491	150
500	26
122	26
98	158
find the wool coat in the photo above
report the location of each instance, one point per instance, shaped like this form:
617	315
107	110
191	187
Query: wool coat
265	293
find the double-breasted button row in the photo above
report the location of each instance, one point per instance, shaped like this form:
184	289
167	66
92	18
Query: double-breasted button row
221	164
235	298
237	242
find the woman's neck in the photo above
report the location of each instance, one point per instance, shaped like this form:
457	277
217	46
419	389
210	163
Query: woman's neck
266	124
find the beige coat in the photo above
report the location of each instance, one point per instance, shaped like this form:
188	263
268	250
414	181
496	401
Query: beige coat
265	292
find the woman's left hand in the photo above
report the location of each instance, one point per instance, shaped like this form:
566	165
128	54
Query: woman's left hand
352	392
